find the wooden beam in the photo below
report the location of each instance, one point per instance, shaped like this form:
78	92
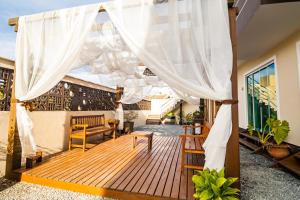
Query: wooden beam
232	163
14	149
14	21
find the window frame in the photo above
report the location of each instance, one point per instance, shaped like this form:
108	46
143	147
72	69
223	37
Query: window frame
253	70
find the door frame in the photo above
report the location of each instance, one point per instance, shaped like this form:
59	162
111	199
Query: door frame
258	67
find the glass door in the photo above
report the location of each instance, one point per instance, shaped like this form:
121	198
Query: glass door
261	96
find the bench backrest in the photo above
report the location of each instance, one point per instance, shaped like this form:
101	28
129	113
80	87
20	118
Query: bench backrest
90	120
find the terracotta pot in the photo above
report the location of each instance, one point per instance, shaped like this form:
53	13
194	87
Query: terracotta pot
128	127
279	151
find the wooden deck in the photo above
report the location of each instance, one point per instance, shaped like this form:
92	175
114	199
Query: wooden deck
113	169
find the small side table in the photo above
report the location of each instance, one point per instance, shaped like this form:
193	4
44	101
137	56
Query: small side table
142	134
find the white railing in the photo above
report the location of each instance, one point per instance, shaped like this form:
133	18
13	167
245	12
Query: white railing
168	106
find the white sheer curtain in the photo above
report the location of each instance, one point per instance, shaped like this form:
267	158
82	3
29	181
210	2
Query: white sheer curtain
187	45
46	47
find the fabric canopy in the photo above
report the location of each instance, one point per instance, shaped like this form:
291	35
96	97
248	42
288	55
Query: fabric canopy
185	43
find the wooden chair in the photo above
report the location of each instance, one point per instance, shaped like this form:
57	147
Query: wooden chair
196	141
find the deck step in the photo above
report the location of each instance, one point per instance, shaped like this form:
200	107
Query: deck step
248	144
246	135
153	121
292	163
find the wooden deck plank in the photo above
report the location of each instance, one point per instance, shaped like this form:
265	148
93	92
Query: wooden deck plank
161	175
125	172
66	166
183	181
169	182
127	177
177	178
114	169
109	166
142	170
80	174
150	169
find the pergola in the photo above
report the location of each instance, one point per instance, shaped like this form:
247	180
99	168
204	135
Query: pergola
232	163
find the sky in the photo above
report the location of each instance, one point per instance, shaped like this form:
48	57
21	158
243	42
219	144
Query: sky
15	8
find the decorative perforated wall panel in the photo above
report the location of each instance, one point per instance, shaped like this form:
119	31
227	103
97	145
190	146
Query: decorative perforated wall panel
64	96
142	105
6	80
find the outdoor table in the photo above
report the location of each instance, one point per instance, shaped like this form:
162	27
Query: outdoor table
142	134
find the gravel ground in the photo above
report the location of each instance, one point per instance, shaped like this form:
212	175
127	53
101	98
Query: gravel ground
259	181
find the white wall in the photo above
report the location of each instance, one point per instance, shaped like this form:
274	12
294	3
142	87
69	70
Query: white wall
50	127
156	106
142	117
287	80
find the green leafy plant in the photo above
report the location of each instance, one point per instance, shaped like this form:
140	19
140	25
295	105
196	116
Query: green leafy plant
274	128
130	116
170	115
279	129
197	114
250	129
189	118
212	185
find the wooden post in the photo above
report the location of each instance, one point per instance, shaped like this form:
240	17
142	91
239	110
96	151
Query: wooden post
232	163
14	149
180	114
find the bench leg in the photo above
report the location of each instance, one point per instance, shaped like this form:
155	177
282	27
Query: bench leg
182	153
149	143
70	143
84	143
134	142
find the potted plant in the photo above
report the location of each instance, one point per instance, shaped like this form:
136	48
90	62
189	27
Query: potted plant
189	119
129	123
171	119
279	130
198	117
212	185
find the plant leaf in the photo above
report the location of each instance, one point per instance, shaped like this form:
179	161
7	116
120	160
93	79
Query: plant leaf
221	173
198	180
220	181
280	129
231	191
230	198
215	189
230	181
206	195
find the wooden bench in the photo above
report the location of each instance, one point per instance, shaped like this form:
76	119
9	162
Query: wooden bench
82	127
193	144
142	134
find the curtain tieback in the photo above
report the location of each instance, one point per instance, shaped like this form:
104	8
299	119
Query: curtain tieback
28	105
230	101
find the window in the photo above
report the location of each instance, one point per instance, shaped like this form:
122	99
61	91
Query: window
261	96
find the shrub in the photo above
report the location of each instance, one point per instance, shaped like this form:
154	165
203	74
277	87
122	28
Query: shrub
212	185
